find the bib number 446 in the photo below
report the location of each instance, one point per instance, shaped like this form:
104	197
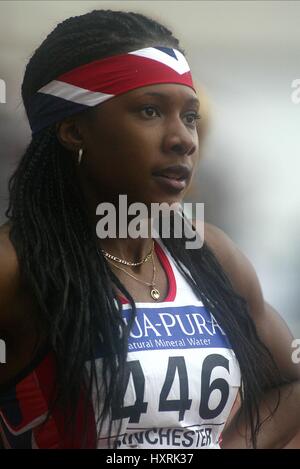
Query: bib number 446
183	403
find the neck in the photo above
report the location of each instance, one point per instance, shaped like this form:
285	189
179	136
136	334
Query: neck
130	249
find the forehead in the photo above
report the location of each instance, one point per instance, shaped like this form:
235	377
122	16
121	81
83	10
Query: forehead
169	93
164	91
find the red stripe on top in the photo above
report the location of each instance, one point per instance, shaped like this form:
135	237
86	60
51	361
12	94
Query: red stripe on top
172	287
169	271
118	74
46	374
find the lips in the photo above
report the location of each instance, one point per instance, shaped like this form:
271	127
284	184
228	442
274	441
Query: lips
178	172
173	178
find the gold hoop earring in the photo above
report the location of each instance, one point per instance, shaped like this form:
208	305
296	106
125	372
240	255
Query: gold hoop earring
80	153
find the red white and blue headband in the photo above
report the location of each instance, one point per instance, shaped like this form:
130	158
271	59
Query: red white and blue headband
93	83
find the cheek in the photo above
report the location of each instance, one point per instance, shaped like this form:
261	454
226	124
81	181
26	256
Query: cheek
104	154
116	168
121	153
107	145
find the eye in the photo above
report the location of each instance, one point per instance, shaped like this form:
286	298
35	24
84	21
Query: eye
150	111
192	117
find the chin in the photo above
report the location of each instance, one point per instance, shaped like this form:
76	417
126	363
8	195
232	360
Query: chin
170	200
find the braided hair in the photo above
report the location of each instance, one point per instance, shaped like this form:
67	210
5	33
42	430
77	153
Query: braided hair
57	247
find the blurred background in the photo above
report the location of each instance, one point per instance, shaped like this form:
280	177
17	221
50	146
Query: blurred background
244	57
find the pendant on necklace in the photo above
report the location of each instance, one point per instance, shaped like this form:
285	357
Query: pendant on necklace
155	294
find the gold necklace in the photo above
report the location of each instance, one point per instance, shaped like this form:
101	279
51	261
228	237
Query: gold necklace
154	292
123	261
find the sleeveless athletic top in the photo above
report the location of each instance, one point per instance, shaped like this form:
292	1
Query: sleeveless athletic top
182	379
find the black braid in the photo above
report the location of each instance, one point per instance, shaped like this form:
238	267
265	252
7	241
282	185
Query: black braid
57	247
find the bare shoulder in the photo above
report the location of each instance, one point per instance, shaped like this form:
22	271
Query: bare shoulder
18	312
9	271
220	243
17	303
236	265
269	323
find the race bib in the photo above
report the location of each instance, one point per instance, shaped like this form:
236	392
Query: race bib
182	378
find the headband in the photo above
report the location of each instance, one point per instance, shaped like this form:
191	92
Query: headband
93	83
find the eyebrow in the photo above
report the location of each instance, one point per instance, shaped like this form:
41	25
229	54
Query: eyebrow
190	100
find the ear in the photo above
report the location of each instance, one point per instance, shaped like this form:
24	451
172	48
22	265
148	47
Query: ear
69	134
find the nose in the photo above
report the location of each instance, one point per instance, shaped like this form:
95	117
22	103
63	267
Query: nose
179	139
